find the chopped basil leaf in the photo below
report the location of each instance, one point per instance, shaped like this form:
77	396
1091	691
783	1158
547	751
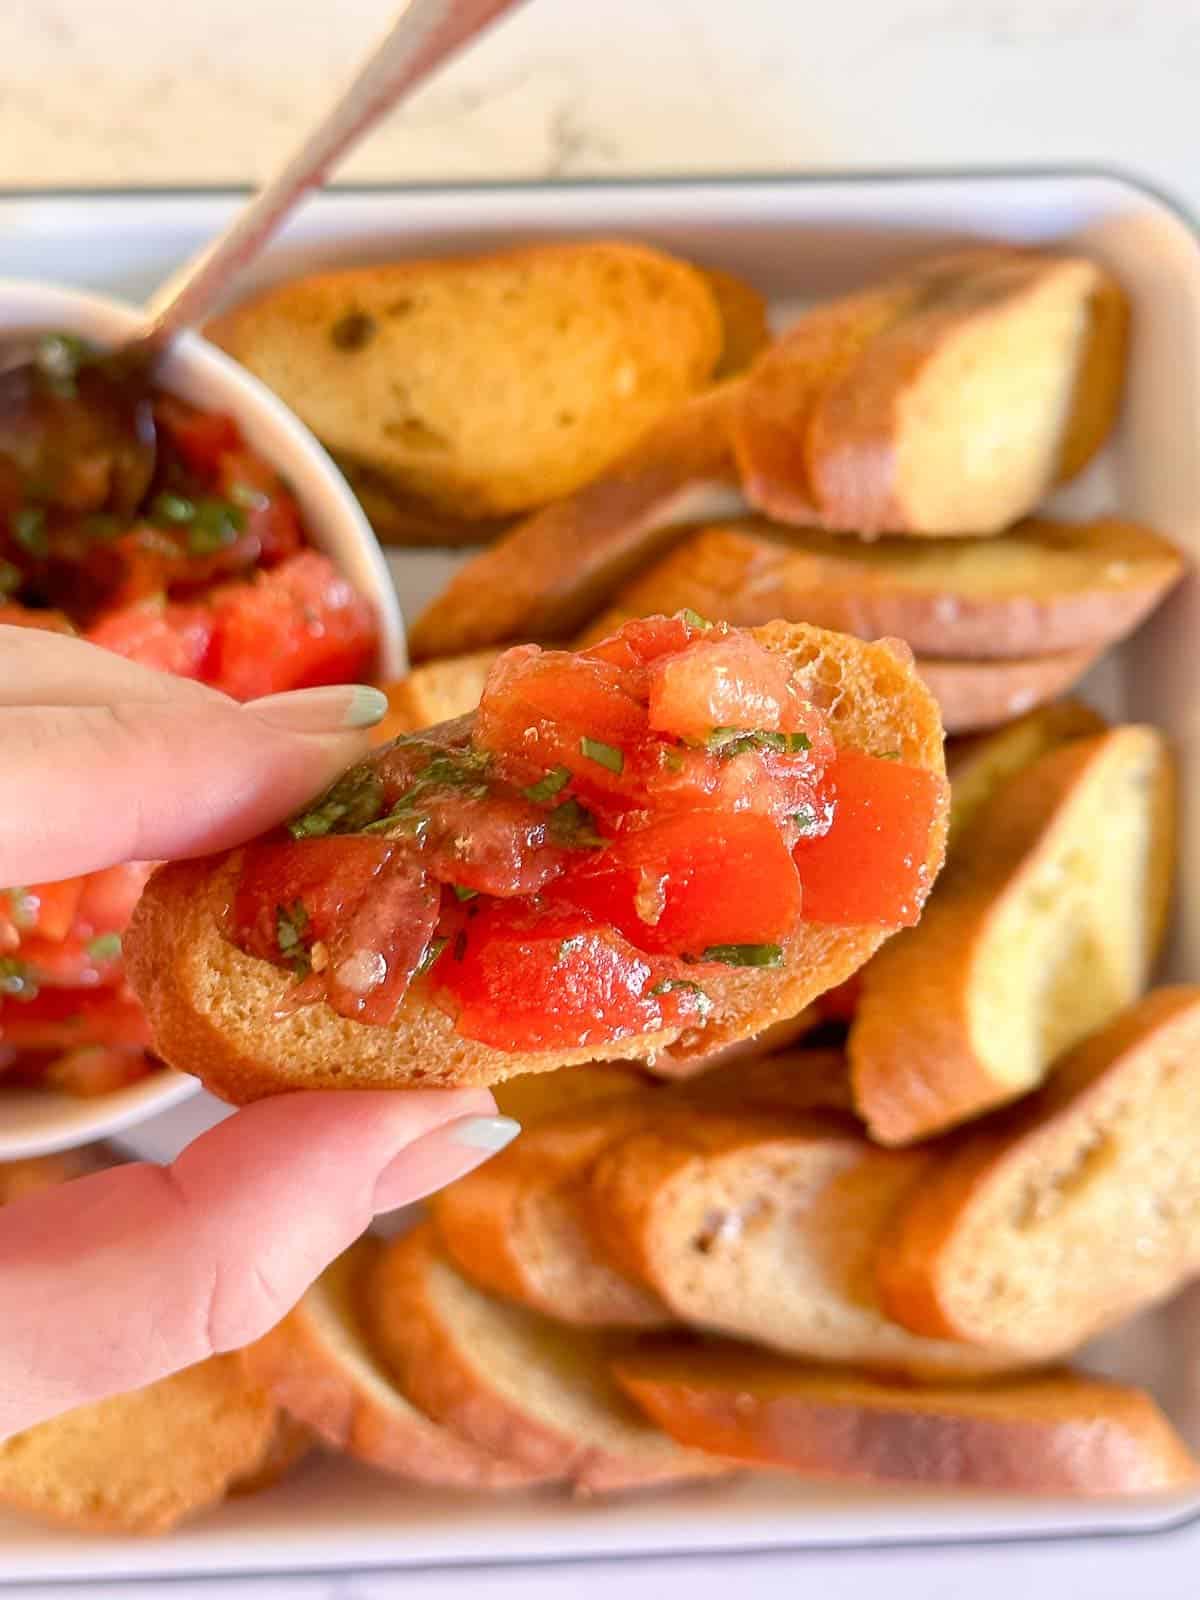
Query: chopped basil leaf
728	742
23	907
29	530
604	755
10	578
214	527
806	819
546	788
745	955
104	947
353	802
575	827
671	760
888	755
248	497
17	979
703	1002
695	619
463	894
291	926
173	510
432	951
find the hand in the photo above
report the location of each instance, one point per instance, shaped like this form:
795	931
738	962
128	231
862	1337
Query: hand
114	1280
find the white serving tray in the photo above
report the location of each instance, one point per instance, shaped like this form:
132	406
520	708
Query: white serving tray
797	239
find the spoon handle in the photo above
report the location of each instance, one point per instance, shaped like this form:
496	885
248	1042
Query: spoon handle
424	35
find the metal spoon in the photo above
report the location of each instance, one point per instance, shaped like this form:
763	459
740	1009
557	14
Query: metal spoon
77	431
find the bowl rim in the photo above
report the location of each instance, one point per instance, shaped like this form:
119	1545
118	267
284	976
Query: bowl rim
320	487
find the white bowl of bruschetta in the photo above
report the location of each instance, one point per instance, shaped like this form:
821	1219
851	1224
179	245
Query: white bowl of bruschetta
327	539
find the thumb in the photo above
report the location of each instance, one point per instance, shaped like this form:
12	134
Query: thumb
116	1280
83	786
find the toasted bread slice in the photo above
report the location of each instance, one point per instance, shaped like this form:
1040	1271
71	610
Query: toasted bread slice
554	570
789	1081
318	1365
744	329
398	517
440	691
766	1226
1044	588
978	766
975	696
1038	935
1077	1209
536	1097
779	1035
516	1227
485	385
142	1462
512	1382
290	1445
945	401
216	1012
1052	1434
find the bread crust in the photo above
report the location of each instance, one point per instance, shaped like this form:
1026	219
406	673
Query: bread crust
1054	1434
974	696
922	1257
305	1373
222	1016
917	1066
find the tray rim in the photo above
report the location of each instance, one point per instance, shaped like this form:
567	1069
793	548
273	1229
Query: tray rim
1136	183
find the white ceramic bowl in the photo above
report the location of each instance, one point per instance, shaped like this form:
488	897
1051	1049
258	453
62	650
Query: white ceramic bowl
35	1121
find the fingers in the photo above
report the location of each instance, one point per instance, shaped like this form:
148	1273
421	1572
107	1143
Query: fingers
163	775
113	1281
49	669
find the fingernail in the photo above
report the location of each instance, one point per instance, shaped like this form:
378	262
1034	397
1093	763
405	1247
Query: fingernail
449	1152
343	705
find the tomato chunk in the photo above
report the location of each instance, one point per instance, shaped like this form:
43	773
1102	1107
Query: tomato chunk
689	882
44	910
729	681
870	867
297	626
170	637
518	980
200	438
270	515
62	1019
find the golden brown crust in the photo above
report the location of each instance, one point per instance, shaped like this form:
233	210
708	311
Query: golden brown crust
743	321
1054	1434
440	691
222	1016
918	1064
552	571
317	1366
290	1445
920	1261
976	695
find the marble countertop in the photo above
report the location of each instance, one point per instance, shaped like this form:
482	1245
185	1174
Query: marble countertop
114	92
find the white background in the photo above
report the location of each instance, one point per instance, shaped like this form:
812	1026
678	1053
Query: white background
114	92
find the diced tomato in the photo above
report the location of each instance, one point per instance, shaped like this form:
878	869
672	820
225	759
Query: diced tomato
691	881
13	616
870	867
44	910
61	1019
199	438
370	908
644	639
295	627
171	637
107	898
97	1069
729	681
517	980
79	961
271	516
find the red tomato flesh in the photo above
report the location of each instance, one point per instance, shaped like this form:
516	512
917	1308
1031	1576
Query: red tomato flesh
170	637
63	1019
871	865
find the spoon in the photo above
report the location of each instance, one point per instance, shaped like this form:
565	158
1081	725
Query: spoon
77	432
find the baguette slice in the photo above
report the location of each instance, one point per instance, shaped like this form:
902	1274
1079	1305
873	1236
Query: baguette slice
398	517
555	569
485	385
318	1365
767	1227
1077	1209
1044	587
975	696
216	1012
511	1382
945	401
537	1097
28	1176
1038	935
516	1226
142	1462
1052	1434
290	1445
978	766
744	329
440	691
